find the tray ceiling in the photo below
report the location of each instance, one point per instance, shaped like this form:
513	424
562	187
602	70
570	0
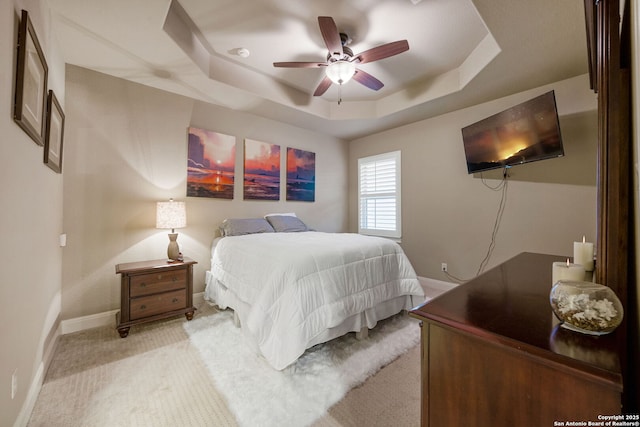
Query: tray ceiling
462	52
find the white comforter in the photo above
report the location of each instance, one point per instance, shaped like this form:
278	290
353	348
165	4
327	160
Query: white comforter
294	286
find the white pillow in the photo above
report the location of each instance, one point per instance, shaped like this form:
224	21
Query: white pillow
281	214
241	226
287	223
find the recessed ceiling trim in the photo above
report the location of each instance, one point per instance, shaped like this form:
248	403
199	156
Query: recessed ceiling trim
127	40
179	26
445	83
184	32
481	56
256	86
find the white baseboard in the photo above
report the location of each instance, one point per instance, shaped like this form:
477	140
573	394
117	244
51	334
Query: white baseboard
433	287
198	298
107	318
48	343
32	397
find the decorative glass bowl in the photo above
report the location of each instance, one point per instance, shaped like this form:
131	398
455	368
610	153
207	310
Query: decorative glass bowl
586	307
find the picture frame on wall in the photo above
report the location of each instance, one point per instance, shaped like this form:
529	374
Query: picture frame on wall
261	170
31	83
211	162
301	175
54	134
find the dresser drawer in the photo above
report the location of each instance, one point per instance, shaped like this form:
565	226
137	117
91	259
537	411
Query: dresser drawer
157	304
146	284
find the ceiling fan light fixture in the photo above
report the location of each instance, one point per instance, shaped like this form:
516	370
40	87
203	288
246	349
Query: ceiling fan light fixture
340	72
340	65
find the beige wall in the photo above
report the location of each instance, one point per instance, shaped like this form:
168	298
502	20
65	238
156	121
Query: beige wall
448	215
31	221
126	148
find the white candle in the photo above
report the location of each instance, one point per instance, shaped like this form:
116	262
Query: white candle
583	254
567	271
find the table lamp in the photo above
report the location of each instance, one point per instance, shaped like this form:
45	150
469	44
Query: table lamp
172	215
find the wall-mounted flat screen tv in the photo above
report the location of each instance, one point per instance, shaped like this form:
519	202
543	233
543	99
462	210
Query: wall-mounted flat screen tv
524	133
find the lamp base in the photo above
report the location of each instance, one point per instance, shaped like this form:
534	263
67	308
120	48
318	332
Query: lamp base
173	251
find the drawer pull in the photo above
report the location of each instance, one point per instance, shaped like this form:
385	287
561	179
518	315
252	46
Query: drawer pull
143	285
174	278
143	307
175	300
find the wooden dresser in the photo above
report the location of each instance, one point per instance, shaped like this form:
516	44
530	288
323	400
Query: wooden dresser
493	354
153	290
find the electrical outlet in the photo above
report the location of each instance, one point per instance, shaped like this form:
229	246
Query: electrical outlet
443	266
14	383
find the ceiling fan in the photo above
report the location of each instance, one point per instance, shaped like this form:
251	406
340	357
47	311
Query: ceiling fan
341	62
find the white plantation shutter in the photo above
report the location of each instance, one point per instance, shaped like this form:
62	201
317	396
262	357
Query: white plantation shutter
379	195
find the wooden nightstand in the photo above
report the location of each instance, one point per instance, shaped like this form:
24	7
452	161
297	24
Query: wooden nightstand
153	290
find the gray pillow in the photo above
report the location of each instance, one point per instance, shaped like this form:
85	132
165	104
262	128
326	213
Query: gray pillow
286	223
241	226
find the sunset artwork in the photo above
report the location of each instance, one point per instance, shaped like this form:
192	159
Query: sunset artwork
261	170
210	164
301	175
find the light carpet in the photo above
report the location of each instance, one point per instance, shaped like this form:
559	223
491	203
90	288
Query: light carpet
258	395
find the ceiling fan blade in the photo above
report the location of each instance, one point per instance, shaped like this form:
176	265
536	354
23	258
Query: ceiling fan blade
322	87
383	51
299	64
330	34
367	79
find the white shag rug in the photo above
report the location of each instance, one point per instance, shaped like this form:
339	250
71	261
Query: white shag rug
258	395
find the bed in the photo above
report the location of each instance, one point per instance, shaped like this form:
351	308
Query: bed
292	288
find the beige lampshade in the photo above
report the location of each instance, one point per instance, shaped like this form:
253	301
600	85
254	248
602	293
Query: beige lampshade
171	215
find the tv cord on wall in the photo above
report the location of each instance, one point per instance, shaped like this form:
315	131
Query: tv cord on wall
501	186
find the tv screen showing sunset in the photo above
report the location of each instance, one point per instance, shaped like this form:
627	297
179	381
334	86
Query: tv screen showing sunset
525	133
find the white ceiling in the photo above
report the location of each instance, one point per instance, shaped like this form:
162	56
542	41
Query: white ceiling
462	52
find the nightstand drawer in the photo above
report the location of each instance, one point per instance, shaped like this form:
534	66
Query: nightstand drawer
157	304
145	284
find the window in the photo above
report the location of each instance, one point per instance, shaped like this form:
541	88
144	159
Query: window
379	195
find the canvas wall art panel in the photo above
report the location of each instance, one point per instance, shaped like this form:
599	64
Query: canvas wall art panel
210	164
261	170
301	175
